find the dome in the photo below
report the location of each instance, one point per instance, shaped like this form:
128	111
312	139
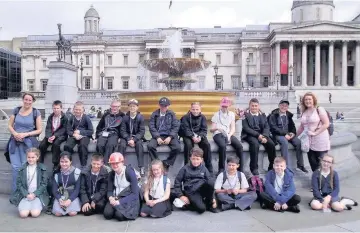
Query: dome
92	13
297	3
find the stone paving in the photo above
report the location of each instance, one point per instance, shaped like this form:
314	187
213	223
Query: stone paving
186	221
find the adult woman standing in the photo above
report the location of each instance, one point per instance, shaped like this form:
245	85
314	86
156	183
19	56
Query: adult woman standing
24	125
315	121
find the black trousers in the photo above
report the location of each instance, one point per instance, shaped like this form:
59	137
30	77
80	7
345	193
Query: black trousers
107	145
254	146
221	142
139	150
204	145
314	159
202	198
82	148
269	202
110	212
99	209
174	147
55	150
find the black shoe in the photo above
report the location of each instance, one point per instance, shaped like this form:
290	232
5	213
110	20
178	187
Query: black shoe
294	209
227	206
214	210
142	171
263	206
255	172
302	168
248	208
354	203
348	207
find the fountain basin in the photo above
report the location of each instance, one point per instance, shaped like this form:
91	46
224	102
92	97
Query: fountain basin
180	101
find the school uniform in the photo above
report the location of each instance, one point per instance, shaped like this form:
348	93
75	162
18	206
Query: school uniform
66	186
280	189
322	186
231	201
86	129
161	209
125	188
197	185
93	188
31	179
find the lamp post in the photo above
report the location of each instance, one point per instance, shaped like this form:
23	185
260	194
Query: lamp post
277	81
216	69
247	72
291	77
102	75
81	71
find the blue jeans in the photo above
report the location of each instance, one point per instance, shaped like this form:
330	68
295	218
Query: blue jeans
17	159
284	147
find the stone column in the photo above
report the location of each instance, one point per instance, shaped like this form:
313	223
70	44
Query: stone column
291	64
317	64
95	80
304	65
243	66
102	68
37	66
192	52
323	69
357	64
148	77
161	85
277	58
331	64
271	65
258	75
344	64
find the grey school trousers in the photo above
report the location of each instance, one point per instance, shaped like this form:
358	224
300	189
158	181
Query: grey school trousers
241	201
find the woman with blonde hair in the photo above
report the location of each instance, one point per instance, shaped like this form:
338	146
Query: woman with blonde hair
315	122
157	192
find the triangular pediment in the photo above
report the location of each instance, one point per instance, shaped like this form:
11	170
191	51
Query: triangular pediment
320	27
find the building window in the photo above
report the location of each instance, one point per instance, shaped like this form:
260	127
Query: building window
44	63
201	82
349	55
219	82
154	82
87	83
44	84
110	83
154	53
141	57
141	82
125	82
251	57
318	13
126	60
235	82
87	60
31	84
301	15
218	59
109	60
201	56
266	58
236	58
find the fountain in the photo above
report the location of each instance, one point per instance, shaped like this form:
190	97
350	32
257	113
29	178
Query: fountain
174	66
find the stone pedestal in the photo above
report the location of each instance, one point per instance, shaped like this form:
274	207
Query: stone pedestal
61	86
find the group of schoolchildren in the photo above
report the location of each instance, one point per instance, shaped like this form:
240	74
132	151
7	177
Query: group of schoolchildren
116	192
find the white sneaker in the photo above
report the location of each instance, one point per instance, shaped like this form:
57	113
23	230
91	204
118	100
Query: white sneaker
178	203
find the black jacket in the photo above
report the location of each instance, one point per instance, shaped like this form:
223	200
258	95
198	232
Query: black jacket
61	131
110	123
138	127
248	126
86	186
191	178
170	121
85	127
275	129
191	124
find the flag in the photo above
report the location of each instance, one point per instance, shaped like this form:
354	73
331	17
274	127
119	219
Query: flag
170	4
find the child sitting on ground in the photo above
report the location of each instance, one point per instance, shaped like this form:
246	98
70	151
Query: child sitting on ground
31	195
231	188
157	192
280	189
326	188
198	187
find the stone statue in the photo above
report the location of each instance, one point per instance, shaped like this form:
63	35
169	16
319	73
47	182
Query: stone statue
64	46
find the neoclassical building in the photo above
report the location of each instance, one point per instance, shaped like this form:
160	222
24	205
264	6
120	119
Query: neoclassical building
310	52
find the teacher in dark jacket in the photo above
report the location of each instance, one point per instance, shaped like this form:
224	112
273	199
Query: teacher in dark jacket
55	134
255	131
282	127
164	128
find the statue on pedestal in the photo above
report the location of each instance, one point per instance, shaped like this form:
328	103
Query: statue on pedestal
64	47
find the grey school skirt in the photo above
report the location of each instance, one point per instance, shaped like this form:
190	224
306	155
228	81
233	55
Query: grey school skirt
73	207
25	204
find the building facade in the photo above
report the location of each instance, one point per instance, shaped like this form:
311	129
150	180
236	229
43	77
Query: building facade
310	52
10	73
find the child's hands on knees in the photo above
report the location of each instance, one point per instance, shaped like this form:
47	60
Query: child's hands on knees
277	206
284	206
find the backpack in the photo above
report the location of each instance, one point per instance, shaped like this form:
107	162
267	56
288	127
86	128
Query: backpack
256	184
331	122
225	177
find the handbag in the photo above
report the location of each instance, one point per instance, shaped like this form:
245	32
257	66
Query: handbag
305	141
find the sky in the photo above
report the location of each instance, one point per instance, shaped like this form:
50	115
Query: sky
23	18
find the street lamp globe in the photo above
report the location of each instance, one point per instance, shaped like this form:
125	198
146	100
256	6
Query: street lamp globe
81	59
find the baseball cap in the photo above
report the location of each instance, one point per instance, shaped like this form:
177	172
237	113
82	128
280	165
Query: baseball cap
225	101
164	101
284	101
133	101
